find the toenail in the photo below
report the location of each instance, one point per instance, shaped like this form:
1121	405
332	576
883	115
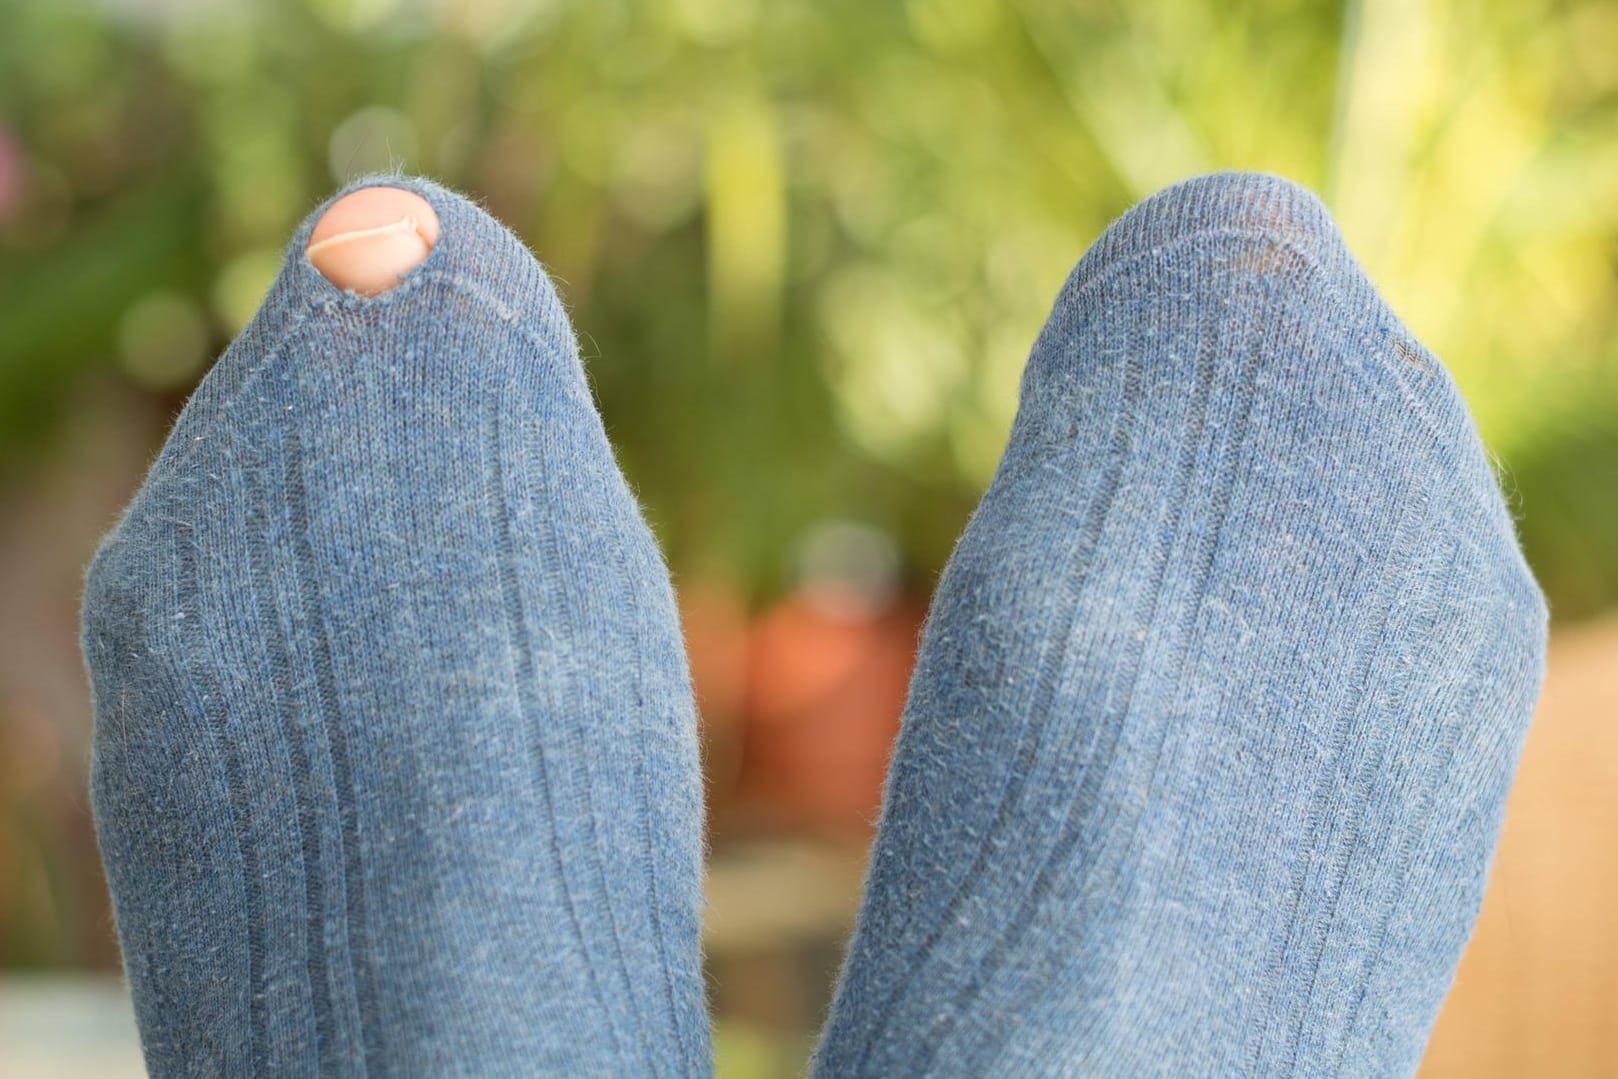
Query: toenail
372	237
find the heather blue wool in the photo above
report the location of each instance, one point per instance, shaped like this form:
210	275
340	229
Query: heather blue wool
1221	692
395	761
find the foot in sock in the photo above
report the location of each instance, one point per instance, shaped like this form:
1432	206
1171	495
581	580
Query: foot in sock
395	763
1220	695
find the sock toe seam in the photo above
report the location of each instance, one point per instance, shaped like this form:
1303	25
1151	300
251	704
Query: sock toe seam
1387	339
304	319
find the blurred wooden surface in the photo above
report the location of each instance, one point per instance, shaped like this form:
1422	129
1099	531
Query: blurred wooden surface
1537	992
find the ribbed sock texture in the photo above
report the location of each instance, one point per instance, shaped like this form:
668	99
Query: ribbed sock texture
1221	693
395	764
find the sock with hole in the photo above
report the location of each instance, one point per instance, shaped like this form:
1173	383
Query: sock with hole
395	763
1221	693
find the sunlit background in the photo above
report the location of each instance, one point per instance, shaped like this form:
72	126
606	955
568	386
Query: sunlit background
807	245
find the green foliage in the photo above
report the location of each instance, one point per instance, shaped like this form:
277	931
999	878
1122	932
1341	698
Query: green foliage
807	243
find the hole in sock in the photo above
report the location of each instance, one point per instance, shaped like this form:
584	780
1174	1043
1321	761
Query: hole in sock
369	239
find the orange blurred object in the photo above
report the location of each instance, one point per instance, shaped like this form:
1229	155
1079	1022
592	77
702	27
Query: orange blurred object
713	616
825	688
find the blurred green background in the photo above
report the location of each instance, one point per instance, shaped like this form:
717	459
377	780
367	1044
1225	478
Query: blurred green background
806	246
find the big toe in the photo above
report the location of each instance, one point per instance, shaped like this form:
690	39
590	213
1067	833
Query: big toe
369	239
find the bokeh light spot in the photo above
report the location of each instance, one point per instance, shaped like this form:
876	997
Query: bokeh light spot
162	341
374	139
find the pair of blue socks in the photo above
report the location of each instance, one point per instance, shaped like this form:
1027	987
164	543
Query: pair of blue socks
396	764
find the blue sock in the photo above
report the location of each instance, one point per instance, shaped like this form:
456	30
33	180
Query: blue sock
395	764
1220	695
